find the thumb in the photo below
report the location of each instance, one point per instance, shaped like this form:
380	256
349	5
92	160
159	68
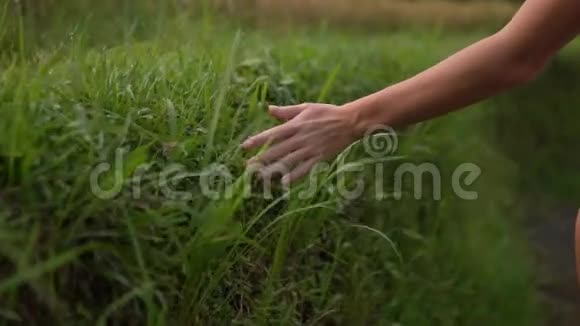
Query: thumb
286	113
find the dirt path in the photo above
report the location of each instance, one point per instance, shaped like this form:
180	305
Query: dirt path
551	233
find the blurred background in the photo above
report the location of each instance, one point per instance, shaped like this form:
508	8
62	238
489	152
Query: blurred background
183	82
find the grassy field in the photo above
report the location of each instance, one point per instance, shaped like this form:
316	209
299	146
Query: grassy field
157	94
375	13
547	130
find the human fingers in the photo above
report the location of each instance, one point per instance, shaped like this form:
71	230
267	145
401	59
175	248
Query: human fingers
285	113
300	171
270	135
275	152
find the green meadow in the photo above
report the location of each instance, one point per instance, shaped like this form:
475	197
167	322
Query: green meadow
118	124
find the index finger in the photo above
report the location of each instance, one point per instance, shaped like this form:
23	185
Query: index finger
270	135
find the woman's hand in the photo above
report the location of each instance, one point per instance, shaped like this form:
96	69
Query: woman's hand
310	133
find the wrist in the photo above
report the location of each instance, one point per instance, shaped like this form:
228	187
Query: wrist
357	118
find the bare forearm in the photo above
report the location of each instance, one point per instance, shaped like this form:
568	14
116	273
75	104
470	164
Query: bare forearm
507	59
475	73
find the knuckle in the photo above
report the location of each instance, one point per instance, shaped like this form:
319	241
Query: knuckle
292	127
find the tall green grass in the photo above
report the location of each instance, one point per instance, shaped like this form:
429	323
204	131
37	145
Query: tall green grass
187	95
539	132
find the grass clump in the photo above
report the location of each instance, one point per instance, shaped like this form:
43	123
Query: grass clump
146	118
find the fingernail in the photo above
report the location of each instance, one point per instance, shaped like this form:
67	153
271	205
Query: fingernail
274	107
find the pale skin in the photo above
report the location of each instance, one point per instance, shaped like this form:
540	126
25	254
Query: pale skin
515	55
